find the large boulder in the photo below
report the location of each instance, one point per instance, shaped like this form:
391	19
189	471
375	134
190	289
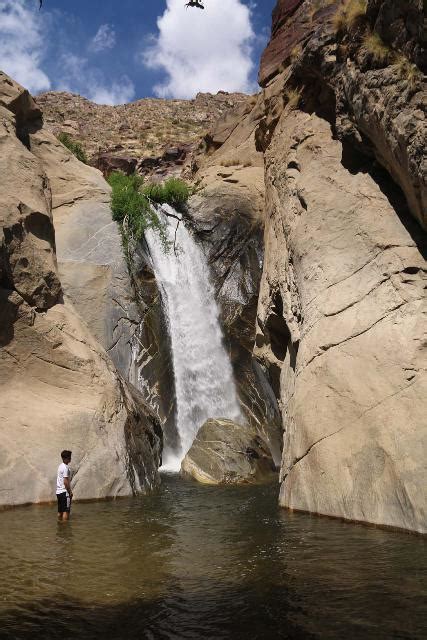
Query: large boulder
107	163
58	387
224	452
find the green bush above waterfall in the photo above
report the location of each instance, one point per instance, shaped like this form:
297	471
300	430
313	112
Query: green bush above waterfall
173	191
132	209
131	204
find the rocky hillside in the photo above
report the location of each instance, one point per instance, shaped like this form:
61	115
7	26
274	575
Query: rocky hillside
144	129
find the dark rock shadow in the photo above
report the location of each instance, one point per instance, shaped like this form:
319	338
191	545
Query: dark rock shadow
356	162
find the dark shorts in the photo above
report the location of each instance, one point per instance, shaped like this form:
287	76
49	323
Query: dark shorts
64	502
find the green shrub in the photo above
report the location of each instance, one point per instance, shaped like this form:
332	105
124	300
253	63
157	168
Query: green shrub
348	14
174	192
131	204
73	146
379	51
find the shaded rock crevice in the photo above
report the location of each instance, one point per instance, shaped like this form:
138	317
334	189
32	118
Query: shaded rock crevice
378	108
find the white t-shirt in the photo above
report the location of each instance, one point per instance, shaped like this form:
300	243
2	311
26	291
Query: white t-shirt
63	472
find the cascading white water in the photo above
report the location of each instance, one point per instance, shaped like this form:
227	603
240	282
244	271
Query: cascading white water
204	384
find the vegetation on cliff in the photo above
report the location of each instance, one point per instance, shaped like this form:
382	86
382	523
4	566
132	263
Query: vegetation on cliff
132	204
75	147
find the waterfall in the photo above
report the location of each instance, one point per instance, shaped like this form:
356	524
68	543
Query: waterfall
204	384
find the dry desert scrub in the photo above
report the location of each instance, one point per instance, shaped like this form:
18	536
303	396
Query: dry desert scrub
293	98
379	51
349	14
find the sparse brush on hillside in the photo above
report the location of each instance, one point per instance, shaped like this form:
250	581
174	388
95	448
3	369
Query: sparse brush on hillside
408	71
293	97
296	53
349	14
230	162
316	5
73	146
379	51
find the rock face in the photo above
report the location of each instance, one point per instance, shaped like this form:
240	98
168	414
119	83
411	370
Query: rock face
90	257
152	370
340	324
376	102
224	452
107	163
59	389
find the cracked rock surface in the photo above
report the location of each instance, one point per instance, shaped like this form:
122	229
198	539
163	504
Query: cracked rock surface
89	251
340	318
341	312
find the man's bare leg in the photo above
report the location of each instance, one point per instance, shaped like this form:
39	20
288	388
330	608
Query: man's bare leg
65	516
59	516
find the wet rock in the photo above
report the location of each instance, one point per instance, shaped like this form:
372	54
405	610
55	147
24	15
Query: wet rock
152	368
224	452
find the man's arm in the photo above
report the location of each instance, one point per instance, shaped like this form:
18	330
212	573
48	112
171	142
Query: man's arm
67	485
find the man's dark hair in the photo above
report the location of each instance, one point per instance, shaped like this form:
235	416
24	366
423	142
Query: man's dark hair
65	454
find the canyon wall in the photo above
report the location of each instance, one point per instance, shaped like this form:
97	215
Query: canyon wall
59	388
340	321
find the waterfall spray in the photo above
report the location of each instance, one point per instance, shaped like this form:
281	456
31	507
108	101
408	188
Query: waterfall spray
204	383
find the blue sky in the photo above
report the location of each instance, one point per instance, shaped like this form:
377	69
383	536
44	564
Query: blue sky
114	51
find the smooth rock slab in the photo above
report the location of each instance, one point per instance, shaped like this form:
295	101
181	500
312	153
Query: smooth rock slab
224	452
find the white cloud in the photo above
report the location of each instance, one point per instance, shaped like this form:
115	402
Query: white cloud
79	77
116	93
204	51
105	38
22	37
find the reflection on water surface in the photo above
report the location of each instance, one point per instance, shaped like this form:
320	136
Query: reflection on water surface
206	562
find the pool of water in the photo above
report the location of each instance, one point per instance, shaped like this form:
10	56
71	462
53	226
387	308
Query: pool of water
199	562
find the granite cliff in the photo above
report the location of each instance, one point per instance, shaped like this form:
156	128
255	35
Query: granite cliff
64	304
340	132
340	319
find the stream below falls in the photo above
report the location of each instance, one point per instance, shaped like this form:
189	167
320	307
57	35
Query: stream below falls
198	562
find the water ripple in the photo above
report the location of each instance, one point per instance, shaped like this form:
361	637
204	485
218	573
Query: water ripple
192	562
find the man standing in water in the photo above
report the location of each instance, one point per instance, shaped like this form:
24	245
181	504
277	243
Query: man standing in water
63	487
